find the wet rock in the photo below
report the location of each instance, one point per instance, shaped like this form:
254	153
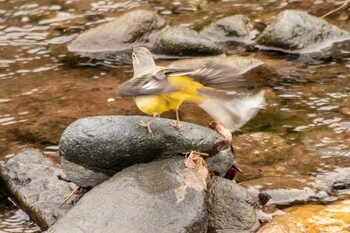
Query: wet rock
340	185
236	66
285	191
183	41
333	181
231	28
311	218
264	198
339	50
297	31
151	197
221	162
101	146
114	40
32	181
230	207
261	148
291	196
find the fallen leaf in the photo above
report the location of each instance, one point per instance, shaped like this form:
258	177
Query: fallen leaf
194	175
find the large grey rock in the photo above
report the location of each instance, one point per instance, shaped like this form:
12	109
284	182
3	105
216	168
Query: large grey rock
153	197
230	207
231	28
297	31
107	144
32	181
183	41
114	40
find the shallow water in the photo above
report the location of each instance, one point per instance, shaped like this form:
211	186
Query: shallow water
13	219
42	90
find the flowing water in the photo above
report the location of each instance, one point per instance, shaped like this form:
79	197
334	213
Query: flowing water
42	91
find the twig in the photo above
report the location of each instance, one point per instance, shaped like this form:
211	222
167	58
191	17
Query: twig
69	196
335	10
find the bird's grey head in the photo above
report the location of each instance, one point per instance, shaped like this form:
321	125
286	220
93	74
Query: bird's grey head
142	59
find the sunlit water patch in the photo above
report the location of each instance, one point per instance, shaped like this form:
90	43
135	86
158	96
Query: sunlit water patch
312	219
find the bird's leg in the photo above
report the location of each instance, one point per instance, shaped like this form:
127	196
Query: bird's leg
148	124
176	124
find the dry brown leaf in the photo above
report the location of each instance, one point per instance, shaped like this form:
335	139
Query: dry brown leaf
225	133
194	175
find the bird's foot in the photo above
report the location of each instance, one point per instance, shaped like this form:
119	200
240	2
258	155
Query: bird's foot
146	124
176	124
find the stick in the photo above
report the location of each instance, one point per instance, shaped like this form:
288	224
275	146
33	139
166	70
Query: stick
69	196
335	10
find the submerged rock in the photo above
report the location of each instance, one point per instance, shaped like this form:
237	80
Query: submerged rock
232	28
151	197
115	40
230	207
32	181
94	148
286	191
183	41
339	50
297	31
261	148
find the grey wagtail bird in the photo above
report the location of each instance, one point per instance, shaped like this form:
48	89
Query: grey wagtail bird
159	89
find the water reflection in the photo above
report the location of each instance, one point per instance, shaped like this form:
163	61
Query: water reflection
13	219
104	6
17	221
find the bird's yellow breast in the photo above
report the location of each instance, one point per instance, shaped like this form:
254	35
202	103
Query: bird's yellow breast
157	104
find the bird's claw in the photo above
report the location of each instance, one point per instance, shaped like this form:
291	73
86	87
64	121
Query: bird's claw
176	124
146	124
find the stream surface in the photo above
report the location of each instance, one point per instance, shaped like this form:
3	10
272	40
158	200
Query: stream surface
42	92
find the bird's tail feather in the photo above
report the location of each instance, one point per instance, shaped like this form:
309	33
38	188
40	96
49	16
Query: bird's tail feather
231	110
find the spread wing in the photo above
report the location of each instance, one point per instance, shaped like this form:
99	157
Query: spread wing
218	78
149	84
210	73
221	73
